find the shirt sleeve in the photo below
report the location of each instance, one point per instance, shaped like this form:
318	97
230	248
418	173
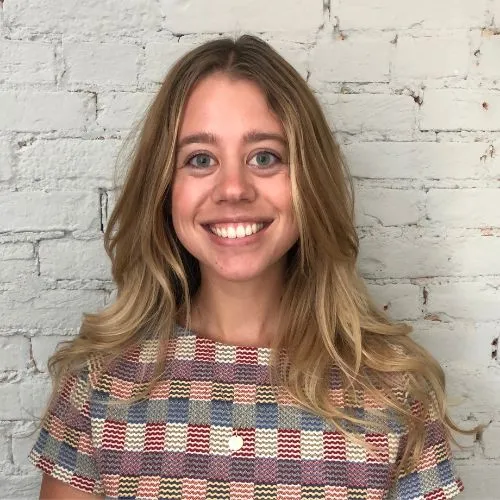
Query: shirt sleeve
434	476
64	448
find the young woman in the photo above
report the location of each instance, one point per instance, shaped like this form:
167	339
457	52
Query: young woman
243	357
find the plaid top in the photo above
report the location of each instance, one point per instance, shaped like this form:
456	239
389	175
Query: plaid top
175	444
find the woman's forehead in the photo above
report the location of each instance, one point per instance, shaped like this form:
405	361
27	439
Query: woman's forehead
226	104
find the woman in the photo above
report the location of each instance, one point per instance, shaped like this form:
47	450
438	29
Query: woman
242	357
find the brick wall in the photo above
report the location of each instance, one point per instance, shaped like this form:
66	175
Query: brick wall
413	92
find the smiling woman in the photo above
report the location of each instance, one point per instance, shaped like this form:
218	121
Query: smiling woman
232	208
243	357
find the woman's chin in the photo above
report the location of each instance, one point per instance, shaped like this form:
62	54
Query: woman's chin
239	272
237	276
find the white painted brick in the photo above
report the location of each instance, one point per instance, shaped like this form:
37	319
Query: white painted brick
14	270
104	64
437	160
92	17
495	10
222	15
431	57
53	309
34	394
359	59
23	290
83	160
388	207
160	56
5	160
43	347
410	256
26	487
36	111
477	300
23	438
464	207
14	353
361	112
490	331
296	54
480	479
61	210
5	442
445	14
473	390
10	393
26	62
488	61
400	301
454	345
491	438
121	110
14	251
471	256
460	109
74	259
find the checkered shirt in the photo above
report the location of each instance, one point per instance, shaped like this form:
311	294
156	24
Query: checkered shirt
174	445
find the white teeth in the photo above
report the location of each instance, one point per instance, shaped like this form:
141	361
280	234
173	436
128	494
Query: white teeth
240	231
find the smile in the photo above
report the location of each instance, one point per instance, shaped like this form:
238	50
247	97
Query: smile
233	231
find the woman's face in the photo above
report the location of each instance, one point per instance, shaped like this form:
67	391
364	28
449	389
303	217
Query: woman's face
231	195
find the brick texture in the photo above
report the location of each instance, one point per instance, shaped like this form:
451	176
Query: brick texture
412	92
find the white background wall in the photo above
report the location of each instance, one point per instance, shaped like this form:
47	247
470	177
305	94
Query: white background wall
412	89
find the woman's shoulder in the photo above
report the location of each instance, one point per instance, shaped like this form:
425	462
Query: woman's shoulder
122	375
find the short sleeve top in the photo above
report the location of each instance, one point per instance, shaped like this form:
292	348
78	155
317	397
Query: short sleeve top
214	428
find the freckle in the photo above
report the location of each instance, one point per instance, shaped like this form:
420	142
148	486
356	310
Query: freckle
485	105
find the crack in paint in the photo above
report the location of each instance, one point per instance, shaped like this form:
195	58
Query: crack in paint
103	207
494	349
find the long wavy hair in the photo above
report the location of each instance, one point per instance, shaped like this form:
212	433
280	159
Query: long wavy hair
327	317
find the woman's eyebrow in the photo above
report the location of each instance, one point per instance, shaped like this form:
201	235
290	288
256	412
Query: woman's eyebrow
249	137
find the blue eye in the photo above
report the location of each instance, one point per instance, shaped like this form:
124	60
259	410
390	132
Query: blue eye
265	159
202	160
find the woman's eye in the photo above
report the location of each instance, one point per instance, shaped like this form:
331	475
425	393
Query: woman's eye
265	159
200	160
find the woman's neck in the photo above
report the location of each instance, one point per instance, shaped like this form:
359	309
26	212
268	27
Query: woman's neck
238	313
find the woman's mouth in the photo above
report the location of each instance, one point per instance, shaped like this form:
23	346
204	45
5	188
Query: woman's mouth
236	230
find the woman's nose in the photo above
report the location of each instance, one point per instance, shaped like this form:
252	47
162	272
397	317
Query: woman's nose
234	183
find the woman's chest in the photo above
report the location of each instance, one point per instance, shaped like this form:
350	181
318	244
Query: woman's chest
184	436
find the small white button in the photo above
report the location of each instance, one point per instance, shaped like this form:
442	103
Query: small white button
235	443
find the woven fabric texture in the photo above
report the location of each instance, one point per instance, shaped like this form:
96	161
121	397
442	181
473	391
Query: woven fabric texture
175	444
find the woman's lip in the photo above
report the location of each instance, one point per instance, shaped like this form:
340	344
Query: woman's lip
256	220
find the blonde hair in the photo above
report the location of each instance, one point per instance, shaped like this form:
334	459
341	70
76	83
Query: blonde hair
327	317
